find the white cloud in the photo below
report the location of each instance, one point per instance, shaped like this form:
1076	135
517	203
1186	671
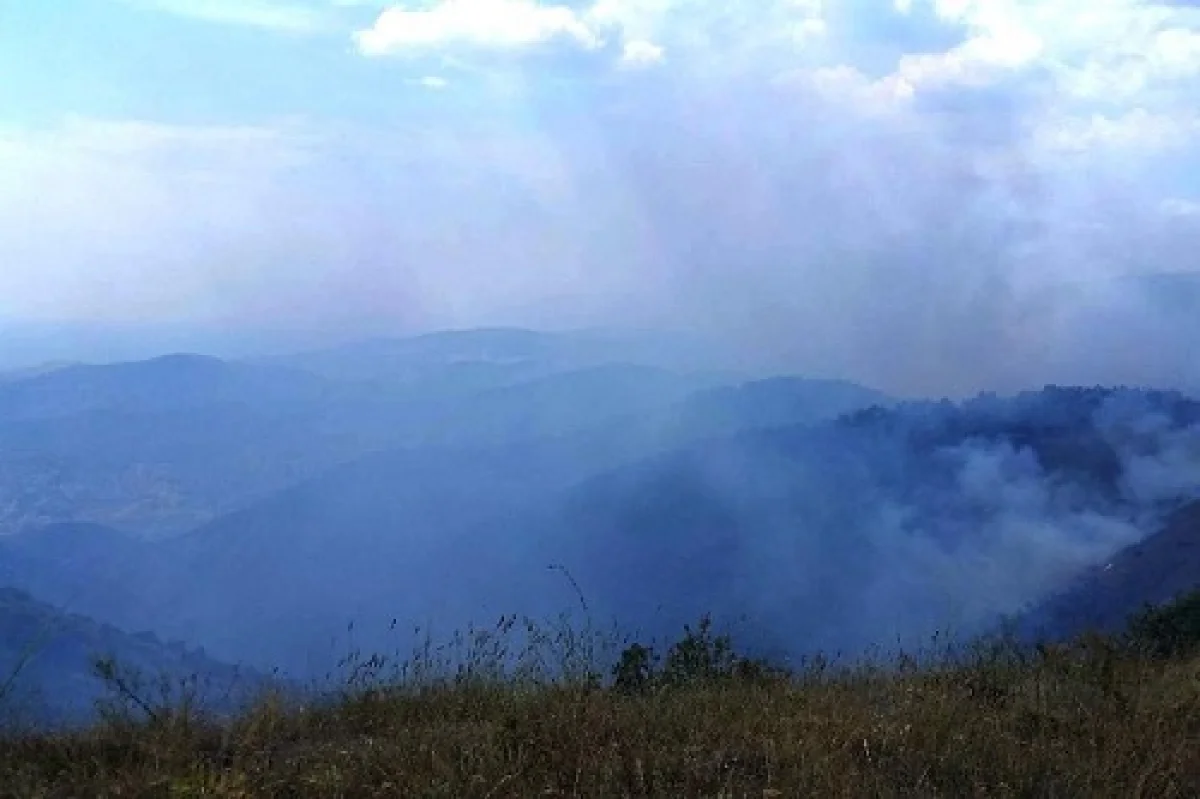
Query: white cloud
641	53
638	19
980	60
435	82
1086	44
484	24
1144	58
714	29
637	32
1138	129
1067	75
847	85
1096	48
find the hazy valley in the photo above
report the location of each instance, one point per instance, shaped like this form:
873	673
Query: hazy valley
282	513
507	398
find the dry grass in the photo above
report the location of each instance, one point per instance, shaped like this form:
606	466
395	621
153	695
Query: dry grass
1092	720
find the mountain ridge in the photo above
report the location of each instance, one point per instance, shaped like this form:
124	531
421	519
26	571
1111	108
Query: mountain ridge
1153	571
834	536
47	665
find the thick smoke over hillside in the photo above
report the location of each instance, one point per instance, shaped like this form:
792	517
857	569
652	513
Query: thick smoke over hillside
893	525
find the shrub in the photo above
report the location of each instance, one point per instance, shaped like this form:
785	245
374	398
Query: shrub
699	656
1169	630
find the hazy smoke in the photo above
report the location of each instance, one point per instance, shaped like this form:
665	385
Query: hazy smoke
926	200
932	205
895	526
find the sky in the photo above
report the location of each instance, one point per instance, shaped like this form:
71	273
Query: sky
907	192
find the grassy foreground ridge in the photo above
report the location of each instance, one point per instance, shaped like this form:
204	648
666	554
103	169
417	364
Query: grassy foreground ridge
1103	716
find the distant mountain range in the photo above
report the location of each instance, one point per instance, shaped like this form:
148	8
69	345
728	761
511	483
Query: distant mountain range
162	446
881	526
492	357
167	383
284	511
337	545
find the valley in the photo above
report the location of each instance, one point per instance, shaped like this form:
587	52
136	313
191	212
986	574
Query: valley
281	518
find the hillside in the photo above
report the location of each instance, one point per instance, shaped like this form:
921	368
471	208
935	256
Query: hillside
157	473
47	657
888	525
169	382
1154	571
1092	720
123	449
72	564
26	372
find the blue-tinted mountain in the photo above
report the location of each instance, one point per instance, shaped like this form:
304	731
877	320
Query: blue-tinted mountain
75	563
26	372
163	446
47	657
884	525
388	531
170	382
888	524
1154	571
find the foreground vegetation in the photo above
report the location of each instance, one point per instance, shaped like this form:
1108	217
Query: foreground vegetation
1114	716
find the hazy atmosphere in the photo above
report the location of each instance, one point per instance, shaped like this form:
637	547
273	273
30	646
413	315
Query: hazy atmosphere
929	197
337	329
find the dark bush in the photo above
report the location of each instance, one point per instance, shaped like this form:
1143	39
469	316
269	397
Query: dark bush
1169	630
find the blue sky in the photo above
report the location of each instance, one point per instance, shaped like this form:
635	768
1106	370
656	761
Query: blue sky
799	175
